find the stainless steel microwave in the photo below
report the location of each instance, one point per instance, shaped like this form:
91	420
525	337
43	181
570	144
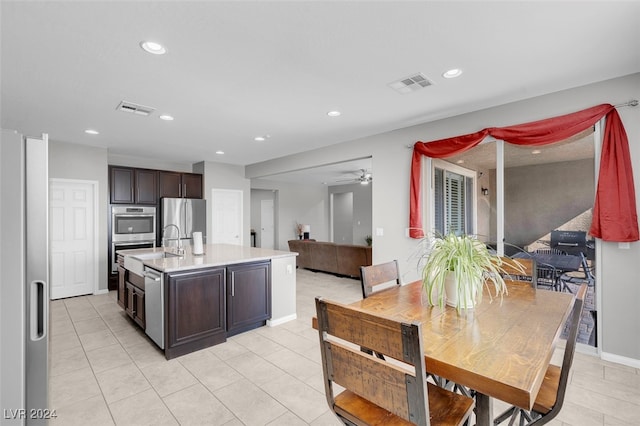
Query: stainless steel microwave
133	223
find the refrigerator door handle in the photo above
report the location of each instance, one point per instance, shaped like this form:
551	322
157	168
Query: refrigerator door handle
39	316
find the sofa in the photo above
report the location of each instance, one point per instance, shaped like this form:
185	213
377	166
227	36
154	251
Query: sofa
340	259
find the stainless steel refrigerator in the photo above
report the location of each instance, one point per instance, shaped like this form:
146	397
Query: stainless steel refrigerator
24	273
188	214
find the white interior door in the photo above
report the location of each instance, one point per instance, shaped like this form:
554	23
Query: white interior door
266	224
72	236
226	208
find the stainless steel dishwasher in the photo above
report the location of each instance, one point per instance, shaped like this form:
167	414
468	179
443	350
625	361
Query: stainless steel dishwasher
154	305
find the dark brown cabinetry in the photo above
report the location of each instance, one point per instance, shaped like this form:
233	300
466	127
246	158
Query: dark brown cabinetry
248	296
122	287
135	304
121	185
130	185
133	186
195	311
179	185
145	188
202	307
131	294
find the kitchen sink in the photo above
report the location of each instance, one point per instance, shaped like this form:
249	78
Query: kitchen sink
134	263
155	255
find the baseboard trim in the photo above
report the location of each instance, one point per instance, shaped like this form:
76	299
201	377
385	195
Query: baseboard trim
630	362
103	291
273	323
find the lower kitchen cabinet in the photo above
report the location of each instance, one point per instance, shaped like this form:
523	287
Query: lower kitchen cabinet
195	309
135	304
131	294
201	307
248	296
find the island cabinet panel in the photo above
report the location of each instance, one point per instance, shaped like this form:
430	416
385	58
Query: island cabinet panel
122	286
248	296
134	298
195	311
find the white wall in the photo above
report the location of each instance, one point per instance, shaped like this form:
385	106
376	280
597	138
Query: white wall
226	176
296	203
361	223
148	163
72	161
342	217
620	317
257	196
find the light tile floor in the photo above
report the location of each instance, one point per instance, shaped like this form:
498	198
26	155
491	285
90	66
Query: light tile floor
105	371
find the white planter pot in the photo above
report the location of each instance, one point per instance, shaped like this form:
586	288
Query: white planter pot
453	298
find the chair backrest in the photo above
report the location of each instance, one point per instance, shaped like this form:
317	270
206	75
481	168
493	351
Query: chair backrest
569	351
390	386
373	275
519	270
546	275
551	251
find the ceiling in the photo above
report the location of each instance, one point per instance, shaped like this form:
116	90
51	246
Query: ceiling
237	70
342	173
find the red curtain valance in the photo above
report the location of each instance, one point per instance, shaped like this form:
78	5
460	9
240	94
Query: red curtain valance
614	210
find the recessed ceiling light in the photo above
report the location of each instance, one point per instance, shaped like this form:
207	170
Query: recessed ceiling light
452	73
259	138
334	113
536	151
92	132
166	117
153	47
220	152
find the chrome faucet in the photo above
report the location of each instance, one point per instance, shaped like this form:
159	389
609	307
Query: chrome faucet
180	250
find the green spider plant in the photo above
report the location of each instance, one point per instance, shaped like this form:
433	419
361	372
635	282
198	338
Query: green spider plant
471	264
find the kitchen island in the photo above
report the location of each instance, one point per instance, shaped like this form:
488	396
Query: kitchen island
188	302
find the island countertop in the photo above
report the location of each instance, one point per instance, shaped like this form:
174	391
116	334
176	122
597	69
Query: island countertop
214	255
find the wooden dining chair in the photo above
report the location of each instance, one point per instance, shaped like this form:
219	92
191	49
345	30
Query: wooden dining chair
375	275
390	391
550	398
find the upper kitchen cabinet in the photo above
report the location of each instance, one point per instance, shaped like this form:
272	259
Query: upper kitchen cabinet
133	186
180	185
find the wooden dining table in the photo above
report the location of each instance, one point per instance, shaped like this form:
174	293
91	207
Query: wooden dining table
501	349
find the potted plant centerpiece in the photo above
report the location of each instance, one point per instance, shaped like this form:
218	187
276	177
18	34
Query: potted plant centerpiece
456	267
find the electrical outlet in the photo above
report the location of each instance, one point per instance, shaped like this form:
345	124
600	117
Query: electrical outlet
379	232
289	269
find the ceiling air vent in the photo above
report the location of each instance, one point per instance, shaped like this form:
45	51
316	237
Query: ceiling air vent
134	108
411	84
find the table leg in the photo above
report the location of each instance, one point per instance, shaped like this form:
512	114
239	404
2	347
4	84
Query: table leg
484	410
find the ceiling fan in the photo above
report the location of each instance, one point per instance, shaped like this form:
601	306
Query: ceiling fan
363	177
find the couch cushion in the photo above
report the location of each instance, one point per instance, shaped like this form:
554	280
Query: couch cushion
351	258
302	248
324	257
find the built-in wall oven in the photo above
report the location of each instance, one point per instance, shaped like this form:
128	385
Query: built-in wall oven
132	227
